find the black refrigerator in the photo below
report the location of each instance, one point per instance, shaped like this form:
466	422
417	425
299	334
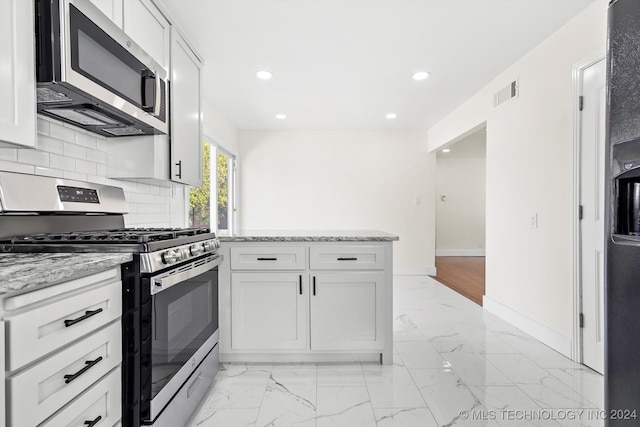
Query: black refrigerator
622	298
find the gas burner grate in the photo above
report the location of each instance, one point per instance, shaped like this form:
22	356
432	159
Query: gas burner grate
125	235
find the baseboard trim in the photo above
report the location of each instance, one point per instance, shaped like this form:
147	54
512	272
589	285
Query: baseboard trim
460	252
298	357
554	339
414	270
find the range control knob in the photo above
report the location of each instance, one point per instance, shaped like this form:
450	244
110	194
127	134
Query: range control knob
208	246
171	256
196	249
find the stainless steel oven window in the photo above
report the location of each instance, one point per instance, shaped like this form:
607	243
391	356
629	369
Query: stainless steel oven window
183	317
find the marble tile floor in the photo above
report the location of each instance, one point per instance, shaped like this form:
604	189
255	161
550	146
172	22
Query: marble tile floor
454	365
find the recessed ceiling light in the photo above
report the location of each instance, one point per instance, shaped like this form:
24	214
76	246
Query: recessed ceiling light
264	74
281	116
446	150
420	75
391	116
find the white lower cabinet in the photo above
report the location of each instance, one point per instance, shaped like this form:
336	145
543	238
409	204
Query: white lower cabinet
347	311
63	349
319	302
55	381
269	310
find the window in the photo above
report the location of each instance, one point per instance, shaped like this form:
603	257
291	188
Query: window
213	204
225	173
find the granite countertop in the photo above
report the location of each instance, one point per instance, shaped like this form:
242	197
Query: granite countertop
309	236
20	272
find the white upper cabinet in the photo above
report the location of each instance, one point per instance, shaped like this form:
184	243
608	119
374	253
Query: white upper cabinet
111	8
177	156
144	23
148	27
17	74
186	115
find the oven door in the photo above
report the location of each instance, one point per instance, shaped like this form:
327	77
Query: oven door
184	328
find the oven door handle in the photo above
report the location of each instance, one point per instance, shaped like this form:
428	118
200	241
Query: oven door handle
161	283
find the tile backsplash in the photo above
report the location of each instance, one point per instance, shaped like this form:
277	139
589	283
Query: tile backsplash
65	151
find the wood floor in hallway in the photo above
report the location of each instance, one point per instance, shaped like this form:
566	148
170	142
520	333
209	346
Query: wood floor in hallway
464	275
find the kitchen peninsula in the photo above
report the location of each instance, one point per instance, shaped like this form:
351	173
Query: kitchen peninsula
306	296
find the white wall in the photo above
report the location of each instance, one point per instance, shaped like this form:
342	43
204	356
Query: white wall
343	180
460	227
529	171
220	129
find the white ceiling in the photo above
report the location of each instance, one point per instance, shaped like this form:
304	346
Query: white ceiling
344	64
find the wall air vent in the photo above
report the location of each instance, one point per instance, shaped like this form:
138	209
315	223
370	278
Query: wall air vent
505	94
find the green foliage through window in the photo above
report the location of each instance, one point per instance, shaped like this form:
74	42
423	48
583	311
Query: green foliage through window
223	191
200	198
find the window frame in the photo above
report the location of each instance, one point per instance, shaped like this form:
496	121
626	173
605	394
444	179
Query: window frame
231	189
232	186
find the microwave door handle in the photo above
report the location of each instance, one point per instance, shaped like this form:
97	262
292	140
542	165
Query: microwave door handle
158	100
148	97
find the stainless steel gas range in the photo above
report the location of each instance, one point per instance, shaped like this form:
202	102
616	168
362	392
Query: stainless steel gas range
170	289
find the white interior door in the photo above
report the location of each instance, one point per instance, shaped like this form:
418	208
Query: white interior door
592	200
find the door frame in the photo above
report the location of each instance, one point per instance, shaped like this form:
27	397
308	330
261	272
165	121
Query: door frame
578	81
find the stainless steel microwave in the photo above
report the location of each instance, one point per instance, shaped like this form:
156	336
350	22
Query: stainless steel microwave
91	74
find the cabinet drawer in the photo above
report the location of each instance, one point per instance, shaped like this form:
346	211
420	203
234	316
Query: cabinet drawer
101	403
36	393
345	257
34	333
268	258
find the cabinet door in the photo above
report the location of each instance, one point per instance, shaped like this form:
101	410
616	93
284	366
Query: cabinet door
347	311
111	8
17	73
269	311
186	117
148	28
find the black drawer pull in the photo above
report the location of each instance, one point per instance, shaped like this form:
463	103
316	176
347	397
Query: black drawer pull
348	259
94	422
87	314
314	285
267	259
89	363
300	284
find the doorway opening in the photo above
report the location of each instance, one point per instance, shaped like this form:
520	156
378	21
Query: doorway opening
460	214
